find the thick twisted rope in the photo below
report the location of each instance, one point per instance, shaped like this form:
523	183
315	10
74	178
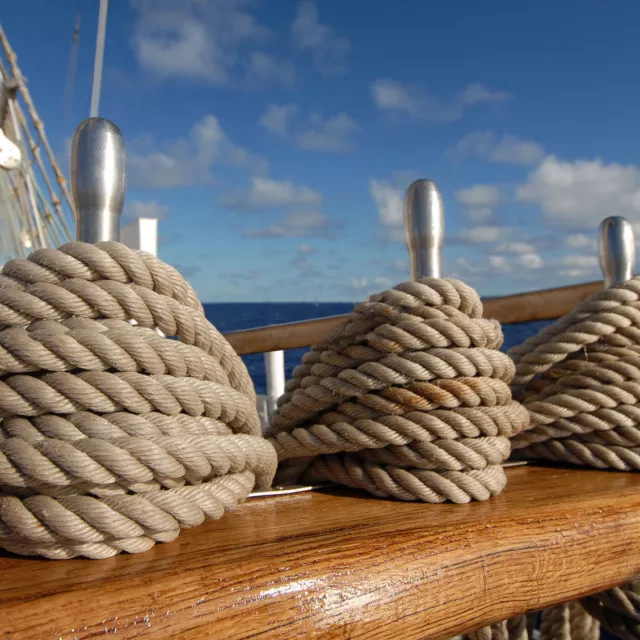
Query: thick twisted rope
410	398
580	381
617	610
579	378
112	438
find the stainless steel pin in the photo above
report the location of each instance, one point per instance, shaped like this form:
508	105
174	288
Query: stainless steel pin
98	179
617	250
424	228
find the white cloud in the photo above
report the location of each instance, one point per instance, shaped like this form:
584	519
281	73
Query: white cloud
302	223
506	149
146	209
360	284
530	260
330	136
306	249
276	118
267	193
498	262
580	194
412	100
206	41
581	241
383	282
578	266
357	283
479	235
479	195
516	247
187	161
480	201
398	265
263	70
329	49
389	200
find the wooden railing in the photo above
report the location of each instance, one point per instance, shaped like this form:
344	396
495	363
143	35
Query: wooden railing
342	564
545	304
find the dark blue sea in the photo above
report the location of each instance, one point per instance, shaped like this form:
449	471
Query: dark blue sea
236	316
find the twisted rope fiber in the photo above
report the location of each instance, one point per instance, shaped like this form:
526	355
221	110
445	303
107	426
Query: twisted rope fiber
408	399
579	378
617	610
112	437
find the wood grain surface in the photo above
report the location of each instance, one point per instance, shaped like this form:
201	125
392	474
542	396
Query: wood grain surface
546	304
345	565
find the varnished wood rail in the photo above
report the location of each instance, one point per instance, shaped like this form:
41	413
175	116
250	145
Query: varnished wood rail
345	565
546	304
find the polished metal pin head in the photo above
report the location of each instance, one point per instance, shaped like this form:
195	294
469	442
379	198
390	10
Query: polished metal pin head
98	179
424	228
617	250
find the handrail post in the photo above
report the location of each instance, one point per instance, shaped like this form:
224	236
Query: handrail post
98	179
617	250
424	228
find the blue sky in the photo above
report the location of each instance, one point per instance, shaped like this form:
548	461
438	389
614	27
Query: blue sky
276	139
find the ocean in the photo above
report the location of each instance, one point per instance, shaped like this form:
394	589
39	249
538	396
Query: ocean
234	316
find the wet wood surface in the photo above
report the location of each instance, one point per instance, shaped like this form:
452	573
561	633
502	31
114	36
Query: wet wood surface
345	565
546	304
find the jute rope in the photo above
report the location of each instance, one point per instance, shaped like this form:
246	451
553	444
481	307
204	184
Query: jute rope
579	378
410	398
584	402
617	610
113	438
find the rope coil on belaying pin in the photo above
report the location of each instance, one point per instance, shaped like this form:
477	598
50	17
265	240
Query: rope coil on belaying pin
113	438
409	398
580	377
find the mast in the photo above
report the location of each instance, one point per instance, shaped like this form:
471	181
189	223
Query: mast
97	67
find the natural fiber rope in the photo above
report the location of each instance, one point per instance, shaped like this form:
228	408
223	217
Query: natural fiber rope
585	402
113	438
579	378
617	610
409	398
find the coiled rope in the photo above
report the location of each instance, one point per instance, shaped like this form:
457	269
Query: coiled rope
408	399
112	437
579	378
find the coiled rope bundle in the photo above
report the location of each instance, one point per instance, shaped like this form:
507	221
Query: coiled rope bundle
113	437
579	378
409	398
585	399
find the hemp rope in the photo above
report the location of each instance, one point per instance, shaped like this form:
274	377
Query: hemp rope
585	407
618	610
113	438
579	378
409	398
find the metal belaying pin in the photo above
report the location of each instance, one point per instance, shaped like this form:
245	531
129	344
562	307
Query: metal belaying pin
98	179
424	228
617	249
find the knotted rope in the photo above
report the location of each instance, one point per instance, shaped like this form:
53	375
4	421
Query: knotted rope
112	437
409	398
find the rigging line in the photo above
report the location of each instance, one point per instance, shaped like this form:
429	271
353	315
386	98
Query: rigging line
97	69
